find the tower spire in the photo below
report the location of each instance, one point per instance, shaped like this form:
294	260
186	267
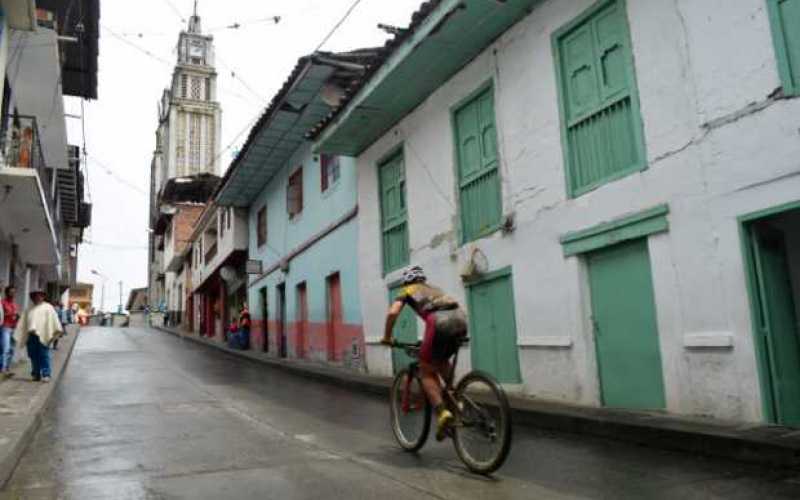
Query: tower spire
194	22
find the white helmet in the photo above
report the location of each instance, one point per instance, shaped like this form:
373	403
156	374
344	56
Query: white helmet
413	274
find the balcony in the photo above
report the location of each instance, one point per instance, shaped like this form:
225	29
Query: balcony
210	254
28	192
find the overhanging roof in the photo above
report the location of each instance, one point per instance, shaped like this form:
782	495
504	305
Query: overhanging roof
287	121
79	19
443	37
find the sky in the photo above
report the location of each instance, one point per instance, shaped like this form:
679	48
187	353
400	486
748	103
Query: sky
137	56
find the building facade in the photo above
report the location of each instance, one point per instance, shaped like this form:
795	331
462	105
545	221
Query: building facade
301	214
216	262
187	147
611	188
43	212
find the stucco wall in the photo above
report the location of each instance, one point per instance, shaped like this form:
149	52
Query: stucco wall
335	253
712	157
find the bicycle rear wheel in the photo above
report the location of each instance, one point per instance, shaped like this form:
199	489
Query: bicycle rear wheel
482	437
410	411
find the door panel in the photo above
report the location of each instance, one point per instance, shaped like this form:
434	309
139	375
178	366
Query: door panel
302	320
778	322
281	291
334	313
493	330
626	333
265	317
405	330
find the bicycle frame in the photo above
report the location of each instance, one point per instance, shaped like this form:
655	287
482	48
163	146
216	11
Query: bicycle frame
446	382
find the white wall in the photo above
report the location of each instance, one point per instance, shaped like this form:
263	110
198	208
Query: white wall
690	72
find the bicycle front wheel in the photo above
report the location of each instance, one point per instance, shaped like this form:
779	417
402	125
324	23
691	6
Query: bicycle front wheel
411	412
483	436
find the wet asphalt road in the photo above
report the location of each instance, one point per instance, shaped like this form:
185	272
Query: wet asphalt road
142	414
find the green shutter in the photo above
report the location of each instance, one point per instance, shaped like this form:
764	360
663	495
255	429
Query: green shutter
478	173
600	110
394	218
785	20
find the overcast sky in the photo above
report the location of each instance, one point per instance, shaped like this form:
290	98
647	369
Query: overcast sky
121	124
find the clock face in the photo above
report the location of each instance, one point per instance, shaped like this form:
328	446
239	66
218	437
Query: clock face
196	50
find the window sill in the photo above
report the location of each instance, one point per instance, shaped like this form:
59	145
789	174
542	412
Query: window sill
483	234
575	193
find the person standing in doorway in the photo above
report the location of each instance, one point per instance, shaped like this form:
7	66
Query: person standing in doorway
7	326
244	327
38	328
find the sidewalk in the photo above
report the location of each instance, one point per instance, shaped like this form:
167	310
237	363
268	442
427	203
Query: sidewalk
23	402
764	444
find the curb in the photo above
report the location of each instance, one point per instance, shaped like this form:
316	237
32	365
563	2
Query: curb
752	443
9	462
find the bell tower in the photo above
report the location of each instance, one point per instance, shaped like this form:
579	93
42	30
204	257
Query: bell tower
195	114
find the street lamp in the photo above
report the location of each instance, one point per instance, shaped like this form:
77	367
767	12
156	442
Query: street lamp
102	289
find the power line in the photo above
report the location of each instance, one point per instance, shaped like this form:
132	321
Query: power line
338	25
119	178
176	10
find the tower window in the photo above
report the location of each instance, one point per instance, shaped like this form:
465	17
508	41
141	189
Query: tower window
196	91
184	86
208	89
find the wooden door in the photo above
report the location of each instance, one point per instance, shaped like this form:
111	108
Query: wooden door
334	319
777	322
493	330
265	317
302	320
405	330
625	328
281	320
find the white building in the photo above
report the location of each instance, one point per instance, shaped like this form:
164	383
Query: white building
187	143
42	208
612	188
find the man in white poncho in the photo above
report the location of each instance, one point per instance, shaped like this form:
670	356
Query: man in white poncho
37	328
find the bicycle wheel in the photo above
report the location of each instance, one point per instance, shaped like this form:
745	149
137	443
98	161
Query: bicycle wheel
411	412
482	437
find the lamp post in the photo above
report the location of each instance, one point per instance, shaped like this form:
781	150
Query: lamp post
119	310
102	289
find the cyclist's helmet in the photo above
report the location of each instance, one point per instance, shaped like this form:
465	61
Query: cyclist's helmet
414	274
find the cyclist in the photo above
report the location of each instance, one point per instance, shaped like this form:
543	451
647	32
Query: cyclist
445	325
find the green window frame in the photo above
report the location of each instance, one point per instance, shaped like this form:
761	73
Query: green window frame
784	18
477	164
601	122
394	213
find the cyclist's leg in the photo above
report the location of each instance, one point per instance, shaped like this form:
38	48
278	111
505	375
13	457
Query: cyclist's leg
428	369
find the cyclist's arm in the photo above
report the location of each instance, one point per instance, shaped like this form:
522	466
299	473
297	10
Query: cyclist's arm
391	318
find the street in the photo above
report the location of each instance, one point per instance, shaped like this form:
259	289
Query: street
143	414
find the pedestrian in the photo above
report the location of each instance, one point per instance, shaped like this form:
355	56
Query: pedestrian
244	327
9	323
37	330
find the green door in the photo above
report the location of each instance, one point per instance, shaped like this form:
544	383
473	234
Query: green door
405	330
493	330
626	334
777	322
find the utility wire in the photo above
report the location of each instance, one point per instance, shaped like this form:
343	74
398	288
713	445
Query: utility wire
119	178
176	10
338	25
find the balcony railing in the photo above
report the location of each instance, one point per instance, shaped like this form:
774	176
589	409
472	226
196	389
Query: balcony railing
22	148
211	253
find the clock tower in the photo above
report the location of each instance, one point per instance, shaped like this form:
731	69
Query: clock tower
190	116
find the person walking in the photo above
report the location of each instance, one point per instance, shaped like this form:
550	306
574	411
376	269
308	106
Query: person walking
7	326
38	328
244	327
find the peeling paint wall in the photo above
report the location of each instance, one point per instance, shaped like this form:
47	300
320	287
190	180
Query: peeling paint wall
717	148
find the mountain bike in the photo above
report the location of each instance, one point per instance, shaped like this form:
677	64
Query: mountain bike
481	429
